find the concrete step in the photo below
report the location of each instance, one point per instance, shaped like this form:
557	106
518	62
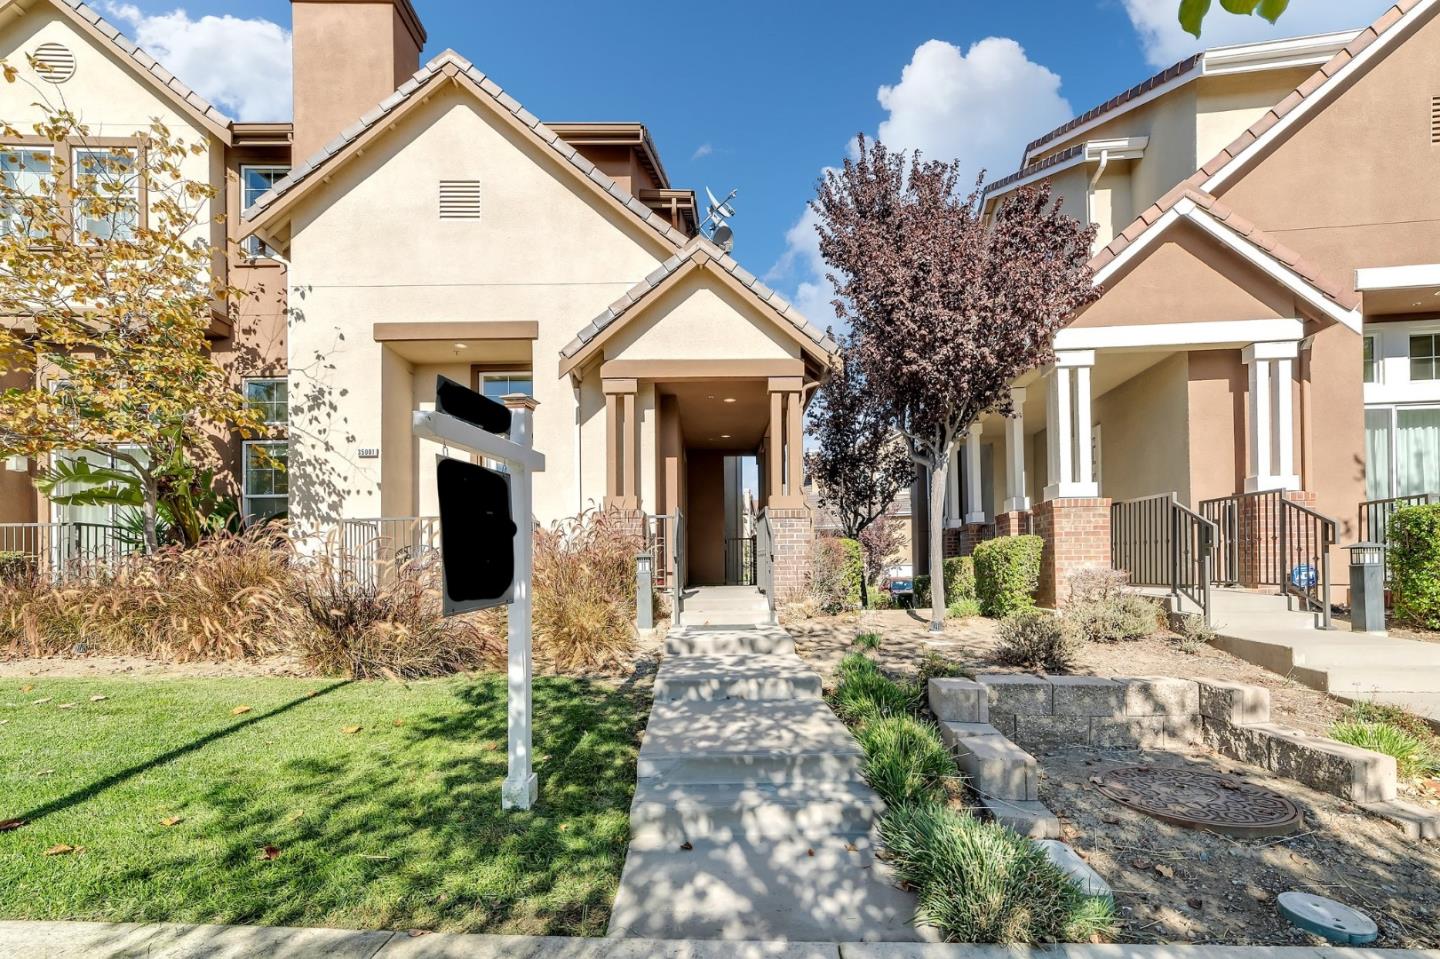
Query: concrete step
1367	652
701	640
736	676
747	741
1386	679
736	618
664	816
790	890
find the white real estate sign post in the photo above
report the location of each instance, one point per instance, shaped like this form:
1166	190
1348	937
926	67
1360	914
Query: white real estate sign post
521	461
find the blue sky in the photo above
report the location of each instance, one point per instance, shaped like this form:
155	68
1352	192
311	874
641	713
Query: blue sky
758	97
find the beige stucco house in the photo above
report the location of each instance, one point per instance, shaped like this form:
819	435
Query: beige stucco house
1268	236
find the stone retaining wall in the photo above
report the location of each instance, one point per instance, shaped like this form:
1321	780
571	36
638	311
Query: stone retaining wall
992	720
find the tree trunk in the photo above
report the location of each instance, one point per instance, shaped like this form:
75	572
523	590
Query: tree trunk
864	589
150	510
938	477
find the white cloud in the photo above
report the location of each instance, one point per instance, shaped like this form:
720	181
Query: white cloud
241	66
979	106
702	151
1165	42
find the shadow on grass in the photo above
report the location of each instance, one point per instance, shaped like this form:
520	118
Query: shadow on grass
114	779
406	830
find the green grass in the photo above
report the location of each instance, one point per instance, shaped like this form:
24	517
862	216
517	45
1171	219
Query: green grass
1413	755
397	825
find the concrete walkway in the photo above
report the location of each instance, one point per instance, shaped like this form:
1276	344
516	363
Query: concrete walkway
1259	628
750	819
98	940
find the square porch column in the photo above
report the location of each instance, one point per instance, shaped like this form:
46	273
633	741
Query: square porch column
1016	501
622	435
1271	416
974	509
1070	432
784	454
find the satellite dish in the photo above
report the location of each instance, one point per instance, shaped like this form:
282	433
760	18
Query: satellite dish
723	237
720	210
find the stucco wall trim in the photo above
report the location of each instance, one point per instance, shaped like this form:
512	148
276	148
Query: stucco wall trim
1413	276
458	330
1208	335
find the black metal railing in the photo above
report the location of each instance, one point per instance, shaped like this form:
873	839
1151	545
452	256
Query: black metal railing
765	560
1160	542
1374	519
1266	539
740	560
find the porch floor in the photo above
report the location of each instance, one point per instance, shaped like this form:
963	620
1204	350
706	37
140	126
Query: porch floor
1261	629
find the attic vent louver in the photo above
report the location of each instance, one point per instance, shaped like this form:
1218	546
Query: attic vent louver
1435	119
459	199
54	62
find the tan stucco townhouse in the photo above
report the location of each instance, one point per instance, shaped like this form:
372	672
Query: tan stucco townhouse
1269	231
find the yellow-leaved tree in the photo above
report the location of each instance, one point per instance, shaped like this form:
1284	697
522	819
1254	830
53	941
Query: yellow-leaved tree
108	293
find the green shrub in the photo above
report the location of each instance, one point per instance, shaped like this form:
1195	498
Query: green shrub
1194	634
905	760
836	567
1007	573
963	609
863	693
1037	640
1414	756
1414	538
1118	618
980	882
1365	711
959	582
868	641
935	666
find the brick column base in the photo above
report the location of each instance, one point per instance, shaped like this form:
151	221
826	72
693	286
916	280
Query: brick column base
1076	534
954	536
1012	524
794	535
1257	534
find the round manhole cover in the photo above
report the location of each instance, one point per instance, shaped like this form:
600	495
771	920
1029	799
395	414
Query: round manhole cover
1201	800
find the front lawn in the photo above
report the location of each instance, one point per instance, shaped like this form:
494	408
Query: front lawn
285	813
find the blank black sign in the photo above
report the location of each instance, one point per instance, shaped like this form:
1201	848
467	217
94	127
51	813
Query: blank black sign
477	534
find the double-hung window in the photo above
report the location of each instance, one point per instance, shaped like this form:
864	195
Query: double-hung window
498	385
254	182
23	170
107	180
265	482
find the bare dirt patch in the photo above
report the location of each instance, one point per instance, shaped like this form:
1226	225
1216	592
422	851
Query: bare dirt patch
1174	884
86	666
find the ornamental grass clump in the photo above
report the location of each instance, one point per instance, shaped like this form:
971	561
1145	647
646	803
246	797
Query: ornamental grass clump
905	760
977	881
864	693
1415	755
584	596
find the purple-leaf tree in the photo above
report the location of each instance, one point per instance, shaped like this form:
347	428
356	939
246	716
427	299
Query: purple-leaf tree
947	307
860	463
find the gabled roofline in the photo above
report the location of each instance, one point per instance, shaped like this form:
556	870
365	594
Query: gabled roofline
619	134
699	254
145	66
1368	45
1264	252
267	211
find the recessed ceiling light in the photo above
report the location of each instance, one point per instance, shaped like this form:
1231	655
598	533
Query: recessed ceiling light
724	436
460	346
729	399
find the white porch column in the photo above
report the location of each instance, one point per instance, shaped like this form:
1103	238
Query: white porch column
1272	417
1016	501
952	492
974	509
1070	431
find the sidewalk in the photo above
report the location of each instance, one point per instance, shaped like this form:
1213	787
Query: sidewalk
97	940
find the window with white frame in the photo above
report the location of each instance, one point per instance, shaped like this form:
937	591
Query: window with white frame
109	180
1402	451
255	181
1372	364
271	396
1423	356
265	481
23	170
497	385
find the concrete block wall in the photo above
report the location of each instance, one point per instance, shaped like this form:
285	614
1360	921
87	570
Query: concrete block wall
1076	534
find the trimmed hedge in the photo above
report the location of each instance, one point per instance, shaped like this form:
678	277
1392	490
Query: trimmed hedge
959	582
854	570
1007	574
837	565
1415	565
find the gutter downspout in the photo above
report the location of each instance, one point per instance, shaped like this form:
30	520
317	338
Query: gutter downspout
1090	193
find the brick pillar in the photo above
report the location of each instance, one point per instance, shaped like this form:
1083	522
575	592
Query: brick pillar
793	535
954	535
1076	534
1257	539
1015	523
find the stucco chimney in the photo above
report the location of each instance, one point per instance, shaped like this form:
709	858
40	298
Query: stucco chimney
348	56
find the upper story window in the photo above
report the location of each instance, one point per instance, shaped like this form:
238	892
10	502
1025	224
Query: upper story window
496	385
1372	366
1423	356
110	181
271	396
23	171
254	182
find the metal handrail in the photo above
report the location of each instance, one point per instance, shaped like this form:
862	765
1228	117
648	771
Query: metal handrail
678	568
765	561
1316	535
1373	518
1158	541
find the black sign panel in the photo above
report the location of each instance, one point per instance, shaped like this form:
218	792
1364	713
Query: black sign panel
465	404
477	535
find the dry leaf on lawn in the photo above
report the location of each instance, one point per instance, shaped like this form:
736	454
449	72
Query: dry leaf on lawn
239	710
269	853
350	730
172	820
399	722
62	849
99	698
27	687
1164	870
6	825
42	702
66	706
